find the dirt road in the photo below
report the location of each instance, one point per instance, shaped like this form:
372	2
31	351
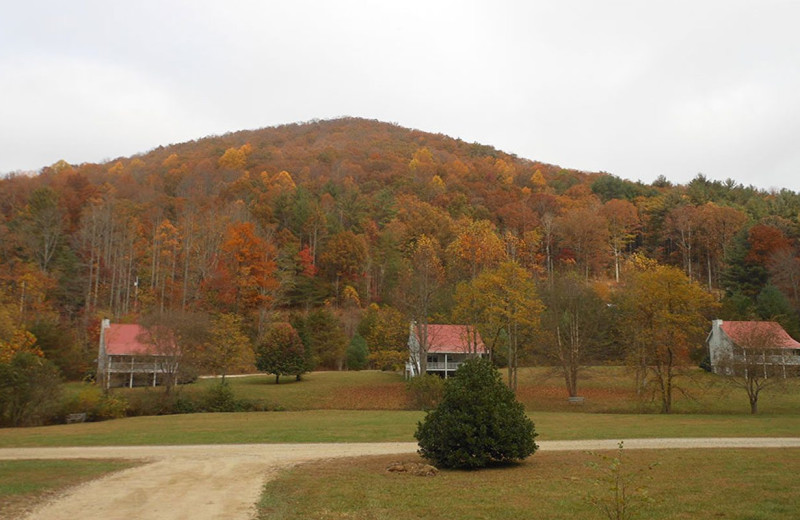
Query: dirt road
225	481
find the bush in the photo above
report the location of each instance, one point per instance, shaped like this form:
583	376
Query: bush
478	422
425	392
151	402
30	389
281	352
388	359
357	353
620	496
184	404
98	406
220	398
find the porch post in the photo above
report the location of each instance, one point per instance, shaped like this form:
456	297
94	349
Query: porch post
445	366
783	362
130	384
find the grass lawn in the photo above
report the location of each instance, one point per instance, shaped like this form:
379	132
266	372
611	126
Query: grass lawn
731	484
377	426
612	390
27	482
365	390
371	406
605	389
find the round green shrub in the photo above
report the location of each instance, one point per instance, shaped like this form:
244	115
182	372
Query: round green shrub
281	352
477	423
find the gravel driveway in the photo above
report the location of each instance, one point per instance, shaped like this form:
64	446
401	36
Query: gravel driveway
225	481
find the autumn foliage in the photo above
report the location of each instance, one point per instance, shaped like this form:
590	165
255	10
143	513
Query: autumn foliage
315	223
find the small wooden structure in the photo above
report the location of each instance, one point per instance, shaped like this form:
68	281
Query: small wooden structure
448	347
126	358
737	346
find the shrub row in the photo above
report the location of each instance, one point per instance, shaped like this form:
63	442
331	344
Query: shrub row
100	406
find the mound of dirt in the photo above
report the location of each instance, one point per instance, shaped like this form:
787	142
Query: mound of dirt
413	468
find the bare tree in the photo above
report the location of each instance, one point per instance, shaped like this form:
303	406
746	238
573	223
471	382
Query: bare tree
784	269
585	232
759	360
424	280
177	339
43	226
571	325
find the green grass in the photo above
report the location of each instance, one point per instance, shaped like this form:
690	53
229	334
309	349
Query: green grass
612	390
24	483
371	406
605	389
378	426
731	484
224	428
365	390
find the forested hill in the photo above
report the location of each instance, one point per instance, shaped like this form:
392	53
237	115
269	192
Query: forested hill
335	215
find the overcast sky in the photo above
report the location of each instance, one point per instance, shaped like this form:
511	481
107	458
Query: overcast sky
635	88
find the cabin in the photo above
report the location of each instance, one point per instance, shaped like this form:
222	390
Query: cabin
448	347
738	346
126	358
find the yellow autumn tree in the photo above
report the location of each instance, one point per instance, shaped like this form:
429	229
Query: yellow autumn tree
664	315
283	181
422	163
235	158
13	338
505	299
475	248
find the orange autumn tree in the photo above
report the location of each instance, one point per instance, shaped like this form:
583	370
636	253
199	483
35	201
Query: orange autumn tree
18	340
344	259
476	247
764	241
718	226
583	232
245	279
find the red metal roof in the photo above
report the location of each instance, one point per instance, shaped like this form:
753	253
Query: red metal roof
453	339
742	331
126	340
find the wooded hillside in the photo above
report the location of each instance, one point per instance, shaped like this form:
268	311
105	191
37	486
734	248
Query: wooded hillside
314	223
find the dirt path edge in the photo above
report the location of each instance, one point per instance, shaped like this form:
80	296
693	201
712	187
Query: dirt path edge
197	482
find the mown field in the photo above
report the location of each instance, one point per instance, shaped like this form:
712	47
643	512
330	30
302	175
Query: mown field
683	484
605	389
372	406
378	426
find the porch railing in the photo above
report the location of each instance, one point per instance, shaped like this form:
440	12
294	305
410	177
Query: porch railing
446	367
